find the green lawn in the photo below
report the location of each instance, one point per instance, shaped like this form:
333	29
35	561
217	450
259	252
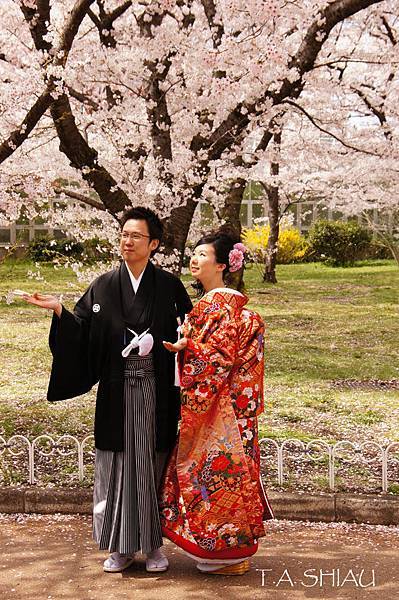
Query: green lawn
327	325
324	326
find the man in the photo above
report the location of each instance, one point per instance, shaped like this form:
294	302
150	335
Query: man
114	337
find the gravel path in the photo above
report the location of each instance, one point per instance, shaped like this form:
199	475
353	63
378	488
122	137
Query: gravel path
54	558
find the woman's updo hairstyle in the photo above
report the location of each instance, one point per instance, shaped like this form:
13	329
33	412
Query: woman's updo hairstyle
223	241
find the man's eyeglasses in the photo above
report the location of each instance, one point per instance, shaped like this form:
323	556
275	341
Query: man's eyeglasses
135	236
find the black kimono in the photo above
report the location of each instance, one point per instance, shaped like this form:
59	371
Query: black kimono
137	404
87	345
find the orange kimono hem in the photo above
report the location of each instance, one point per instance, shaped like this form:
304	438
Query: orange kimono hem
227	553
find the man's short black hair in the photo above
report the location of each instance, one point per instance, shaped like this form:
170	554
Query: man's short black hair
141	213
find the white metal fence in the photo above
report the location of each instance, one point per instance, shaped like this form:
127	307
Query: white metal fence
379	458
19	446
280	460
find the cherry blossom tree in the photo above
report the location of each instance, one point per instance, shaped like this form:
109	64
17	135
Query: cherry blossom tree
165	103
338	143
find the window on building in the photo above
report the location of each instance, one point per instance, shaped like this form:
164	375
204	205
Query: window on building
22	236
306	215
335	215
5	236
258	211
207	214
293	210
244	214
23	219
39	233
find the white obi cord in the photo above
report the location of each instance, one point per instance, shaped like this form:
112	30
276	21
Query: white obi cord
177	376
144	342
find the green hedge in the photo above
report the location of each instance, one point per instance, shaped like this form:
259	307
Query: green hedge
46	249
339	243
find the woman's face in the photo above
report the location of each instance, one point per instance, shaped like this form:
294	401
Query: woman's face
203	265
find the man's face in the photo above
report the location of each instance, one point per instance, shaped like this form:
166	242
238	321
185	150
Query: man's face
135	244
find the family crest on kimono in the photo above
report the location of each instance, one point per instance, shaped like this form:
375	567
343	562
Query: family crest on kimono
114	337
212	501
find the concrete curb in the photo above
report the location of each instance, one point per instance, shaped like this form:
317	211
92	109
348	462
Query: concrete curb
382	509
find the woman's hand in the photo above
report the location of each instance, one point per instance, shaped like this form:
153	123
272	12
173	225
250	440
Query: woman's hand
177	346
45	301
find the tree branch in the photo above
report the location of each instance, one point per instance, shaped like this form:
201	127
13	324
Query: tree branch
376	111
72	143
83	98
37	19
84	158
81	197
72	24
157	107
389	31
304	61
119	10
94	18
216	27
104	21
158	114
19	135
326	131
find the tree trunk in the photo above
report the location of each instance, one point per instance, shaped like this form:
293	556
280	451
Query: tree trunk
269	274
177	226
230	211
84	158
273	196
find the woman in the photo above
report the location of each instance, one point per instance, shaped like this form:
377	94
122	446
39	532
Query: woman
212	501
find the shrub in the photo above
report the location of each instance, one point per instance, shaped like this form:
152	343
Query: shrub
45	249
338	243
377	250
96	249
291	246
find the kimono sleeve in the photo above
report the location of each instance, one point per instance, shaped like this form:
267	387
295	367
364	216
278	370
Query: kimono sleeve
208	360
182	300
69	345
250	365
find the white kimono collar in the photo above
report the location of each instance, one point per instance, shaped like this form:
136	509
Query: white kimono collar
224	290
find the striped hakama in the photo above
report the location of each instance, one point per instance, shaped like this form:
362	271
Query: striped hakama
126	516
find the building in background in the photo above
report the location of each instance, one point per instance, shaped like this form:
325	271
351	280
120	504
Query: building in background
253	207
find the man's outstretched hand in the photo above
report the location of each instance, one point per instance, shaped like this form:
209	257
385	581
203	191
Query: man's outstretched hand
44	301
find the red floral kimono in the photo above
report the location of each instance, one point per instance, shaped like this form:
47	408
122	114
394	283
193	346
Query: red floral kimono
212	502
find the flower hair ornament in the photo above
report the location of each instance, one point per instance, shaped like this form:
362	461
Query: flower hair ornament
236	257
